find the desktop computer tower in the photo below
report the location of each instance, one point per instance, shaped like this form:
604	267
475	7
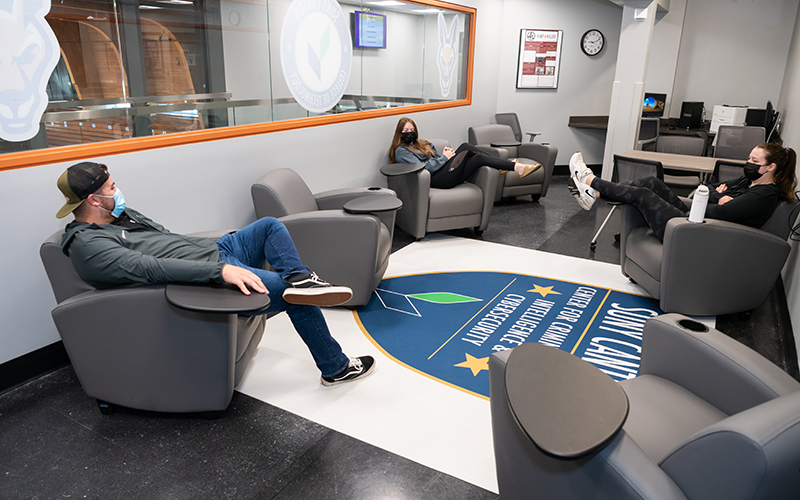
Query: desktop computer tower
691	114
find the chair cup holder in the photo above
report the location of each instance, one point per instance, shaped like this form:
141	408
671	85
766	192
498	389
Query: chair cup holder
693	326
374	188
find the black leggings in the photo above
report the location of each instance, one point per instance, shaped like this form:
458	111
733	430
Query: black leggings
656	202
463	164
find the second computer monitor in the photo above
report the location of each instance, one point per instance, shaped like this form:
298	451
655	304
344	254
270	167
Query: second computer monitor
691	114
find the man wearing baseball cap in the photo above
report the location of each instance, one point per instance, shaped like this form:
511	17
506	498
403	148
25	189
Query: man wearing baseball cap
111	244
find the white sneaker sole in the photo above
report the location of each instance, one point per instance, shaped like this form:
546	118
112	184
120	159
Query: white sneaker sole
326	297
578	168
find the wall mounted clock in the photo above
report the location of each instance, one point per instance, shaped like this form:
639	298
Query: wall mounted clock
592	42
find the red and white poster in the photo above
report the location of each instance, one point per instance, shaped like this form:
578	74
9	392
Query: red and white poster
539	57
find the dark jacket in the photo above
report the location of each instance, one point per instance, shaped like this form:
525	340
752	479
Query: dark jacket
432	164
750	206
108	255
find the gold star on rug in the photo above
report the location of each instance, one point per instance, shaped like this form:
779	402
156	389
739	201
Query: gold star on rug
475	364
543	290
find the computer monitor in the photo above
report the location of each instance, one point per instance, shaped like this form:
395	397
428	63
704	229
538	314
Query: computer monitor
756	117
691	114
653	106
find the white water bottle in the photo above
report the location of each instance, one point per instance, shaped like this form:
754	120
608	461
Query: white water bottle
699	202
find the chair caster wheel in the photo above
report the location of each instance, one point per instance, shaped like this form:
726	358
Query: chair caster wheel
105	408
592	247
477	231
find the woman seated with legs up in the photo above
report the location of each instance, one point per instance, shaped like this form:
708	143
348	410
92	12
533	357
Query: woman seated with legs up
769	178
451	167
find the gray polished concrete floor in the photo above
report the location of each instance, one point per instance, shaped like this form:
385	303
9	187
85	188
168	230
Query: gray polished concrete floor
54	443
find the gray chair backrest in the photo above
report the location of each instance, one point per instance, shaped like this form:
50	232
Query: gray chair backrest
62	275
680	144
628	169
737	142
439	144
282	192
782	220
512	121
487	134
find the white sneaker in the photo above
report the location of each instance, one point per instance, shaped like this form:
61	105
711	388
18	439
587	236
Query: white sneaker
578	169
583	193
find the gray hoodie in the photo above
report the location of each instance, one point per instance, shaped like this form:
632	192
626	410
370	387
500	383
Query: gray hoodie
108	255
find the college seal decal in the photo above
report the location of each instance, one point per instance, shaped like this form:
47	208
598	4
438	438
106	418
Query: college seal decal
316	53
446	325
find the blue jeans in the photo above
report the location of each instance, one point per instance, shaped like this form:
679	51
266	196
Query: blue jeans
268	240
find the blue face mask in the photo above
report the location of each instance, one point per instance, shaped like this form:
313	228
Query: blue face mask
119	203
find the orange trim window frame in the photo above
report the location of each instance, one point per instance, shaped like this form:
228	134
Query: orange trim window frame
13	161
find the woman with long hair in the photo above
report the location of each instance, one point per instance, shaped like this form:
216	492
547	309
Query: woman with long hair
769	178
451	167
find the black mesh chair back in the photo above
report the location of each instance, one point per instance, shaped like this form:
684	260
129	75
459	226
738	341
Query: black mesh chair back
736	142
512	121
681	145
648	134
725	170
627	169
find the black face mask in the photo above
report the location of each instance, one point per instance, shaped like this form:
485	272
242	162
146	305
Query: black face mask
408	137
751	171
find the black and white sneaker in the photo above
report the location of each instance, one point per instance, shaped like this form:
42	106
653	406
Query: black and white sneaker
310	290
583	193
358	368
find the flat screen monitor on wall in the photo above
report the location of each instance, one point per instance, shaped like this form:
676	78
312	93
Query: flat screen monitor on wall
369	30
653	106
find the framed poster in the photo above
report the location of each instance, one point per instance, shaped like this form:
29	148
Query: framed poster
539	58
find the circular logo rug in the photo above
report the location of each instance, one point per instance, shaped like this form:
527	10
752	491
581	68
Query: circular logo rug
446	325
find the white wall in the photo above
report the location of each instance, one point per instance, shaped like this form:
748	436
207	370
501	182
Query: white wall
205	186
733	52
584	83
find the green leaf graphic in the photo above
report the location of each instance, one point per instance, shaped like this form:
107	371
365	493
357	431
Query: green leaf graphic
443	298
325	42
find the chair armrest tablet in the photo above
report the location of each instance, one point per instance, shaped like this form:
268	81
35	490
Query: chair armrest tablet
372	203
215	298
566	406
505	144
393	169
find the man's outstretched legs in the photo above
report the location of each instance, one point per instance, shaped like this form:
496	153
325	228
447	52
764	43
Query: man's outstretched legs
296	290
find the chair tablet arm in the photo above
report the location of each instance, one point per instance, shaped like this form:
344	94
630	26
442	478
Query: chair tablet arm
723	253
215	298
710	364
523	470
336	198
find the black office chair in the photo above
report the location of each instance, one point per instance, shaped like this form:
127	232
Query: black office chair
726	170
648	134
679	181
628	169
